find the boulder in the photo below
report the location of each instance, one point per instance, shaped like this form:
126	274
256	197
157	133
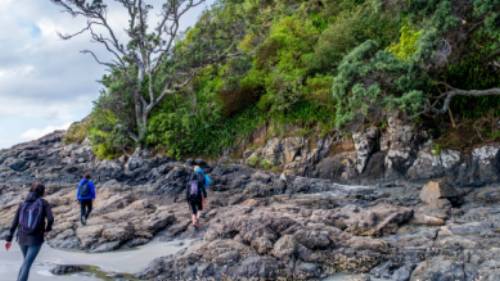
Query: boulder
440	194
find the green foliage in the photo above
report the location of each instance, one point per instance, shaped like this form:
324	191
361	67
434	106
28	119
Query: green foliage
316	66
370	80
183	133
351	28
107	136
407	45
78	131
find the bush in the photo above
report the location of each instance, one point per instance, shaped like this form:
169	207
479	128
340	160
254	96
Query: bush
108	137
351	28
407	45
78	131
370	80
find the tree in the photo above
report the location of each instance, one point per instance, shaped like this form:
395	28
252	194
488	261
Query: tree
146	50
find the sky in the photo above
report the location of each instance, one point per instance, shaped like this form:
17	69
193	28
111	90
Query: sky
45	83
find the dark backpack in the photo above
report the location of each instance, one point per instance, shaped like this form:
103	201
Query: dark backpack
85	189
31	216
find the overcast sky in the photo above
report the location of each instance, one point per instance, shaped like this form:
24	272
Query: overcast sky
45	83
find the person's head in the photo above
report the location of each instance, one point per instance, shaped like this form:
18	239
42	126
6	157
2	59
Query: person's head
198	170
38	188
87	176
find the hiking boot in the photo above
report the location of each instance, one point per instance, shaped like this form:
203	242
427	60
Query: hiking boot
83	220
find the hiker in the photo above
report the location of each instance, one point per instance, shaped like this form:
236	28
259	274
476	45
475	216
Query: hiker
196	194
85	194
33	219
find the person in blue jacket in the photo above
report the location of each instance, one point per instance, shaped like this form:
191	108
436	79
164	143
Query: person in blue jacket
85	194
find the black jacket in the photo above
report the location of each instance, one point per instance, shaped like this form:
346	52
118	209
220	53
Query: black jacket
36	238
201	187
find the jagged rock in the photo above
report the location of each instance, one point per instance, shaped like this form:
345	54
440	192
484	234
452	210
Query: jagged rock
291	148
486	161
401	141
488	195
365	143
18	165
272	152
260	226
339	167
135	161
108	169
427	165
285	248
374	221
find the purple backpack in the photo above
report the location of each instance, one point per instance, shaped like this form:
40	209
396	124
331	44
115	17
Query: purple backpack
193	188
30	216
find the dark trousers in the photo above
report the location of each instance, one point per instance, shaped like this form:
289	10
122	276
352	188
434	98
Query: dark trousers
85	208
196	205
29	254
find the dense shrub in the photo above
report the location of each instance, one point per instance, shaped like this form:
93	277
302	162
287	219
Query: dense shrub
314	65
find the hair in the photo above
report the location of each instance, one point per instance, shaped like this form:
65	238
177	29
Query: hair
38	188
87	176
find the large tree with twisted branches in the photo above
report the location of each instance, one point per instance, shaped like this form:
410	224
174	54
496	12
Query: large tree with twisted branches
142	53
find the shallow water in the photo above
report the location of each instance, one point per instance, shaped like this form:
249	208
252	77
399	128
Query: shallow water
130	261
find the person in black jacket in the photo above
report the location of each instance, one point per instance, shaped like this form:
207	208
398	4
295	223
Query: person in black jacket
31	242
196	194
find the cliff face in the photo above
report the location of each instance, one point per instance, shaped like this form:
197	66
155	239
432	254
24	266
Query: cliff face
265	226
400	151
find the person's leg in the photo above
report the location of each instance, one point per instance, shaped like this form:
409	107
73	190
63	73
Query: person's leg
194	211
24	250
82	212
199	206
31	253
89	209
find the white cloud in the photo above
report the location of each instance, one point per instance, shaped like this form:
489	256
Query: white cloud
45	83
35	133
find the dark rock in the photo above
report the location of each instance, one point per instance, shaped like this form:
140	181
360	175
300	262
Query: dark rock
68	269
375	168
341	167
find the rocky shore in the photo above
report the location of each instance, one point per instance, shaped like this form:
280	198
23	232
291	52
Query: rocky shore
297	225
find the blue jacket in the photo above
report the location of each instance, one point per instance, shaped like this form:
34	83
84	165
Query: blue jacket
91	186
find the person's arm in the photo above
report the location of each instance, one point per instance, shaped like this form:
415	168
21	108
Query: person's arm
78	189
202	186
92	189
49	215
14	225
204	191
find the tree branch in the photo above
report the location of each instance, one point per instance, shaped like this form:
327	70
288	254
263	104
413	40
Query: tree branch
452	92
107	64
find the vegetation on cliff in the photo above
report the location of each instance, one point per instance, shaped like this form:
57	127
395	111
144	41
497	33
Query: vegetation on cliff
321	65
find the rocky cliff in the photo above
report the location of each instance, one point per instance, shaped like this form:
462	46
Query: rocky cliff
370	155
298	225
